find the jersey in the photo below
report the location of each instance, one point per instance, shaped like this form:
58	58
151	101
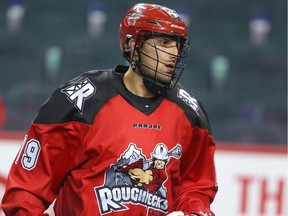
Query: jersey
89	128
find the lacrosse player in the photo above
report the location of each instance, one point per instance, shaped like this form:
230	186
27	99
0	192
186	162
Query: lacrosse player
89	125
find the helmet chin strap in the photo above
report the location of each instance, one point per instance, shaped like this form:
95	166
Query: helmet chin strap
151	84
148	82
153	87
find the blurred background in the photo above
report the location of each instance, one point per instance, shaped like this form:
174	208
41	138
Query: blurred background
237	65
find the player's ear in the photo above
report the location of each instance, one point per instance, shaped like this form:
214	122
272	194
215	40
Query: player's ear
129	44
131	48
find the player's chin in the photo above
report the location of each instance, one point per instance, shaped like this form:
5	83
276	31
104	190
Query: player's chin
164	78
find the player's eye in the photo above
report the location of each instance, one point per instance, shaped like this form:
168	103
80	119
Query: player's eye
165	42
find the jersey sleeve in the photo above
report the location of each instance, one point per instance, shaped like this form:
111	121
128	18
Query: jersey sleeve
198	186
48	153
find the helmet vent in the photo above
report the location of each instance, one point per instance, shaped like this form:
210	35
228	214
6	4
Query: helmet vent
133	14
151	22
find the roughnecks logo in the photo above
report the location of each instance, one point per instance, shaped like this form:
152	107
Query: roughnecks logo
79	92
136	180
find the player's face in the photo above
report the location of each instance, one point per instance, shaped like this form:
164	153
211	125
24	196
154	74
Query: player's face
159	54
159	164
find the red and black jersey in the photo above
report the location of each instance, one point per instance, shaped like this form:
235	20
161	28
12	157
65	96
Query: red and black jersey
93	125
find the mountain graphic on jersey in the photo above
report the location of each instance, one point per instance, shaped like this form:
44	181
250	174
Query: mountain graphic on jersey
134	179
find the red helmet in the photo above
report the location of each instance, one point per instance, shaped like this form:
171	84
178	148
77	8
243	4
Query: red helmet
146	17
144	21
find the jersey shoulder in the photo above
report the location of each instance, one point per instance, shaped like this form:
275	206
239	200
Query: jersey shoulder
192	107
78	99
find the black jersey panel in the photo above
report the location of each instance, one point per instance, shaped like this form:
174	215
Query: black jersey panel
78	100
193	108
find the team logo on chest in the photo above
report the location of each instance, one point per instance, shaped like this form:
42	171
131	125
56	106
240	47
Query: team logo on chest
79	92
134	179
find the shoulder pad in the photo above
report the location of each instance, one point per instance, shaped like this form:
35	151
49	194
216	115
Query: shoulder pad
191	106
77	100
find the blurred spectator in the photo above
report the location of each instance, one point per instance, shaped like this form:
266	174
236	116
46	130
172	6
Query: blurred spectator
52	61
14	15
2	113
260	28
219	70
96	19
254	125
254	113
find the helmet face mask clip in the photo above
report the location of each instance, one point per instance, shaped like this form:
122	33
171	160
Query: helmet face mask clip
128	48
